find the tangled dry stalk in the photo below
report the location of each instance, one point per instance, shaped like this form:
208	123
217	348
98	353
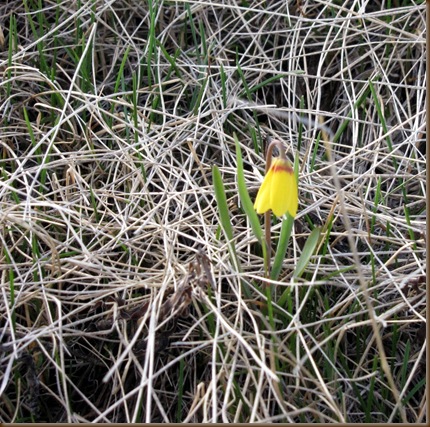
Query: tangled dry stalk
120	300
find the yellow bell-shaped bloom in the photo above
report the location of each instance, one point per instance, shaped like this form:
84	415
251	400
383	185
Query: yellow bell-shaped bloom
278	190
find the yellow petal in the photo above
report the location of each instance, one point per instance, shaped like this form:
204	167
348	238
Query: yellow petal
262	201
282	194
278	190
292	197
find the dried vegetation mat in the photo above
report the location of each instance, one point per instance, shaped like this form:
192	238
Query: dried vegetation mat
120	298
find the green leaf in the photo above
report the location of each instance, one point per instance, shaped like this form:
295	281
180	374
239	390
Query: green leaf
223	212
226	224
287	226
307	252
245	200
248	206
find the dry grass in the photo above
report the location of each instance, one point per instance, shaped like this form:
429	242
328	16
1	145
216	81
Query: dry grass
120	300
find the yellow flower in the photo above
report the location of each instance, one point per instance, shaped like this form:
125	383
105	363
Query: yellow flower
278	190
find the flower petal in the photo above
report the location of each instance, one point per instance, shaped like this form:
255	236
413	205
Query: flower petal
278	190
262	201
284	196
292	196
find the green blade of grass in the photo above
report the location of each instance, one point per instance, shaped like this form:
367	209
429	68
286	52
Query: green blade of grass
171	59
247	204
180	390
11	287
198	95
226	224
300	130
417	387
223	87
247	92
264	83
381	117
281	249
221	200
406	360
120	76
38	151
308	251
151	41
345	123
315	151
13	43
193	29
371	394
